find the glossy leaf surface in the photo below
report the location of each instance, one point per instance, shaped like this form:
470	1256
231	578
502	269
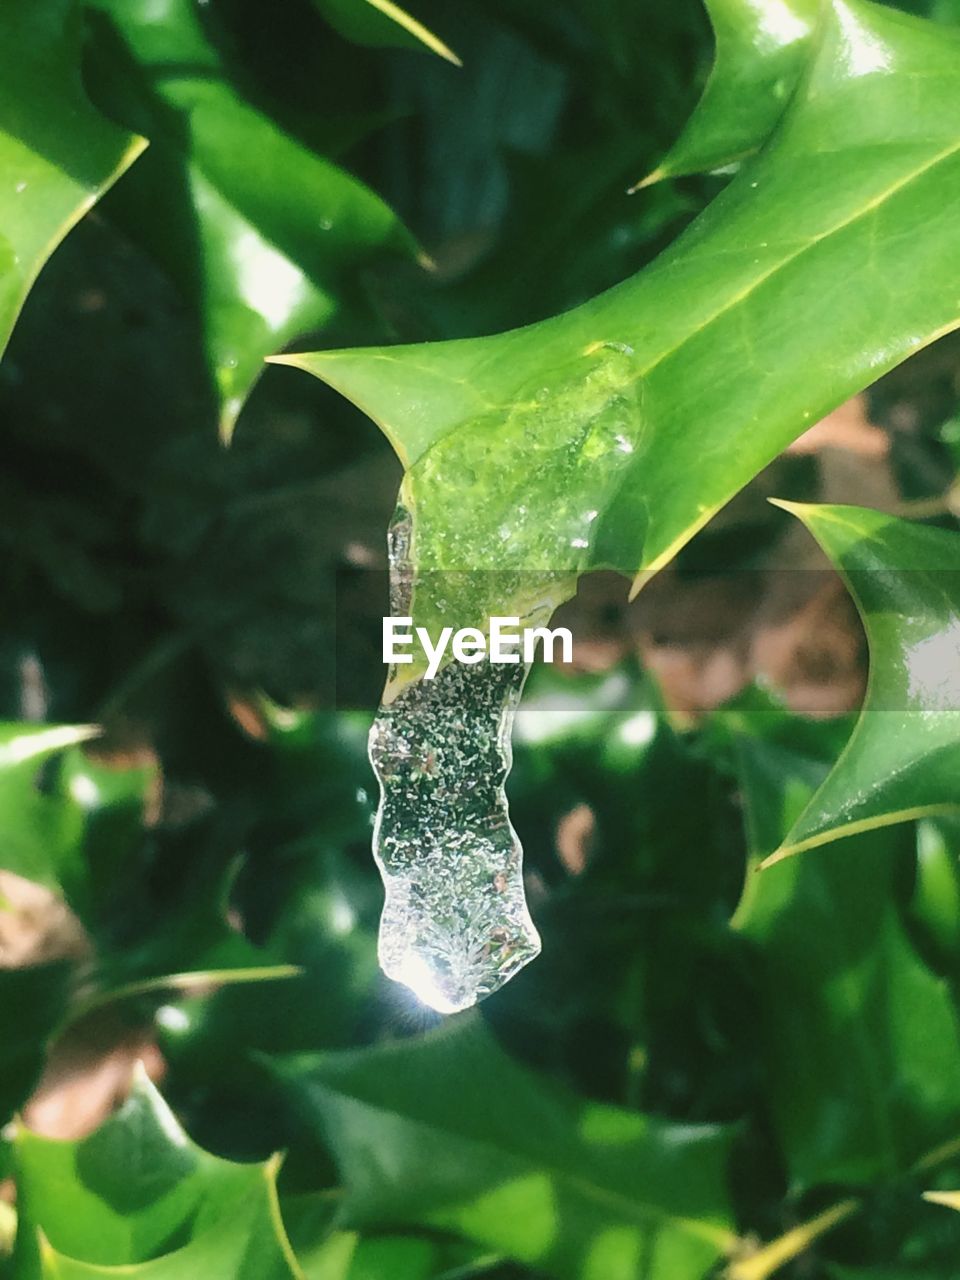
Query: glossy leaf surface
762	46
903	756
40	830
446	1131
57	153
609	435
75	825
136	1189
258	230
226	1252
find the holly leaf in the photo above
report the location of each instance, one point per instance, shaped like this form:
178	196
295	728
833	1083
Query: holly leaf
326	1254
57	153
262	234
761	48
935	905
73	834
902	758
861	1040
382	23
190	948
227	1252
138	1189
40	830
107	801
608	436
446	1132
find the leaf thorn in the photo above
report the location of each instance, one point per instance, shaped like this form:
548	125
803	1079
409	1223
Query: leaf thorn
657	175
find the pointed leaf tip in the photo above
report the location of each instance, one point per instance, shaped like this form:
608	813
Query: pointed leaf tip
415	28
794	508
949	1199
652	178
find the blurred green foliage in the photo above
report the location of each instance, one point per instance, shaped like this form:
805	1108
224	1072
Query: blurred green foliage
705	1058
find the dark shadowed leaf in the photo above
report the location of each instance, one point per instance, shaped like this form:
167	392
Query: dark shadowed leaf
33	1001
381	22
935	906
861	1039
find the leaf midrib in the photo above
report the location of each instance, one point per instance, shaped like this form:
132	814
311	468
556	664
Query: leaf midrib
813	242
719	1237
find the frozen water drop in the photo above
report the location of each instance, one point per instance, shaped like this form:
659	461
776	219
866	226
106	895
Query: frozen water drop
455	923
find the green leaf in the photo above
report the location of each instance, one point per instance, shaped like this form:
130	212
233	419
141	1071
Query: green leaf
874	1273
41	832
445	1131
189	948
108	801
237	1249
861	1041
57	154
262	234
901	761
381	22
74	835
138	1188
935	906
326	1254
608	436
762	46
762	1261
8	1230
33	1001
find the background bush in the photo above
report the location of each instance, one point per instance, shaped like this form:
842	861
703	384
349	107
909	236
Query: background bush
691	1068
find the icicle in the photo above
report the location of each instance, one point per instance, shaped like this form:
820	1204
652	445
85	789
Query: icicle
455	924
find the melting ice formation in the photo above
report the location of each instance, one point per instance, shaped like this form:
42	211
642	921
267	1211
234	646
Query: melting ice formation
455	923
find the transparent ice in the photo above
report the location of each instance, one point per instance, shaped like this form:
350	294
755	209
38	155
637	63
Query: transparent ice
455	923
